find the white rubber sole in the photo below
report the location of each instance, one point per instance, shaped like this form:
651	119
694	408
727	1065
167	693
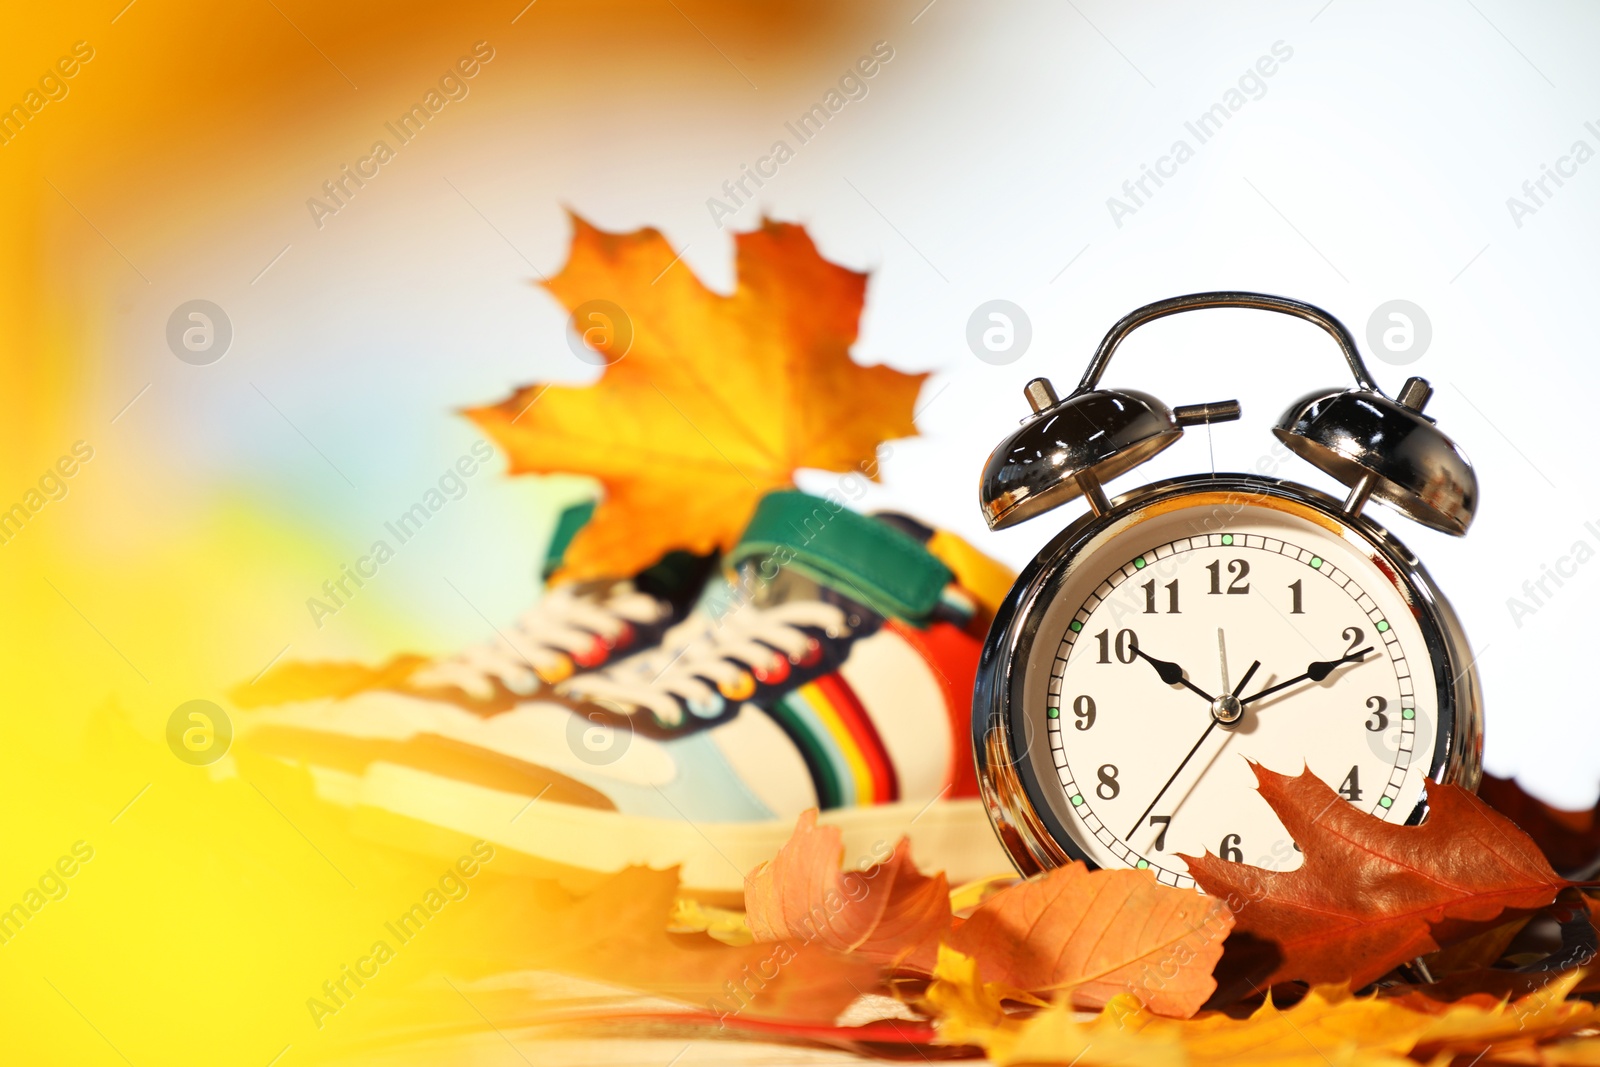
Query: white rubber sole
949	835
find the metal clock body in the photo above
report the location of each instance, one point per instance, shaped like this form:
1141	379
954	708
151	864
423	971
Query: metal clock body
1167	639
1411	711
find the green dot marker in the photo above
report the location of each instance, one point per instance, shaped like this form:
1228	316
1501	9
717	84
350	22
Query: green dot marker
1408	713
1054	713
1316	563
1075	626
1383	626
1077	799
1138	564
1227	539
1385	803
1142	865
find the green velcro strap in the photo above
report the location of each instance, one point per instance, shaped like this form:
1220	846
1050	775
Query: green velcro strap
572	519
858	557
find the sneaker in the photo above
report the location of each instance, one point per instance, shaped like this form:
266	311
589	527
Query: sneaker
335	719
832	667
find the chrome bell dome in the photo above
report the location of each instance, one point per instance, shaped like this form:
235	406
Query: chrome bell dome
1386	449
1067	448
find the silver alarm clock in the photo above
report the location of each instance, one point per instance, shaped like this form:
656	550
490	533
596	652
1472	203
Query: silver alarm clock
1174	634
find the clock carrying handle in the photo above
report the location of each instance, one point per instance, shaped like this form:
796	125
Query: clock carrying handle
1199	301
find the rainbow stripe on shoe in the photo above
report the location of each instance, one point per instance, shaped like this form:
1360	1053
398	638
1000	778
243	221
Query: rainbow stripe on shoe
840	746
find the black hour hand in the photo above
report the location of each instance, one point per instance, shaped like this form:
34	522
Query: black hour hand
1171	673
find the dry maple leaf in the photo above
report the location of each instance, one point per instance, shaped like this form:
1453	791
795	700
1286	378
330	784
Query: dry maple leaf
618	933
1476	1024
1327	1028
1058	1036
1095	934
886	913
1371	895
717	399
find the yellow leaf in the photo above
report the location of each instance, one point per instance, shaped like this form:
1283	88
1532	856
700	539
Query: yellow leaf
1054	1036
715	400
1328	1026
964	899
690	916
1582	1053
1468	1028
970	1011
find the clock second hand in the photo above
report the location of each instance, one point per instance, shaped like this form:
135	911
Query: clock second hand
1222	654
1212	725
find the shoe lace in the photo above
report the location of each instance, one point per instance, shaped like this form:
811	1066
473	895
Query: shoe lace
708	658
541	642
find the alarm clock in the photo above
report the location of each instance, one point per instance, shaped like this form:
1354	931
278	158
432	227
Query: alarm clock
1172	636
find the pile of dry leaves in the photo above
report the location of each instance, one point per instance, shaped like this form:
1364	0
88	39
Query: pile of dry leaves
1454	941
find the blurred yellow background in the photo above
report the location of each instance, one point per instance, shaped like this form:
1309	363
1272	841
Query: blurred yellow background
177	162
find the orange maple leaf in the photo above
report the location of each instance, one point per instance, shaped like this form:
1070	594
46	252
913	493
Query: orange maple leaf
618	932
884	913
707	401
1371	895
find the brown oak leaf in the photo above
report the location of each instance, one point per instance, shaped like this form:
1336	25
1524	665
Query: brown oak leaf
1371	895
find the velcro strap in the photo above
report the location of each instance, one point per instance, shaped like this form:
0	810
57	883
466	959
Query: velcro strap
856	556
572	519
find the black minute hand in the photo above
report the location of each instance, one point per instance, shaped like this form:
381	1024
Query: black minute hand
1212	725
1314	673
1172	674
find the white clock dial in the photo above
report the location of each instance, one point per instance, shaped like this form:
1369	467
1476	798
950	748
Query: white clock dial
1152	720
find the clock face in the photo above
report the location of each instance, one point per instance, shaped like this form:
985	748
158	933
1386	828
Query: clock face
1181	647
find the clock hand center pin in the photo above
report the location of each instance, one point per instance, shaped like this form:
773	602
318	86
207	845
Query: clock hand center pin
1216	719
